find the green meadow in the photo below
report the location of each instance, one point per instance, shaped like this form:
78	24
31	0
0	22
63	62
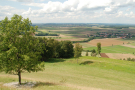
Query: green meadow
90	73
114	49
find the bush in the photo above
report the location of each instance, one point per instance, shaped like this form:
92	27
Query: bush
129	59
93	54
87	53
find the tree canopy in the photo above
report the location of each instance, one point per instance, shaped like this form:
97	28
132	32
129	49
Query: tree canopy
19	50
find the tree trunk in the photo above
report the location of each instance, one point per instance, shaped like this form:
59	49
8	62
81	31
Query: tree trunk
19	75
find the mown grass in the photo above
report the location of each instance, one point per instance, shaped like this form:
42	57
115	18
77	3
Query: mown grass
89	73
133	44
130	40
85	45
114	49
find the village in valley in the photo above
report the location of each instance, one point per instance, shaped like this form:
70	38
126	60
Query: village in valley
112	35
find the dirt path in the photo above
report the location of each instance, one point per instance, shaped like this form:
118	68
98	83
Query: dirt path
59	84
82	87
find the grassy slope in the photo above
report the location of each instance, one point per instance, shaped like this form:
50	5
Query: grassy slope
114	49
66	74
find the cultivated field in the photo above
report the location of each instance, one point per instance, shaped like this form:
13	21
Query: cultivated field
119	55
107	42
90	73
78	39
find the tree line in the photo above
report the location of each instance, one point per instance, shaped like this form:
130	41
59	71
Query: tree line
46	34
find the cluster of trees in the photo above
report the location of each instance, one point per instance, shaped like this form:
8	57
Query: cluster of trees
20	51
55	49
87	40
94	53
46	34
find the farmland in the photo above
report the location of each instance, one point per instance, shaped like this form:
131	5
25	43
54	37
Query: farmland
107	42
78	32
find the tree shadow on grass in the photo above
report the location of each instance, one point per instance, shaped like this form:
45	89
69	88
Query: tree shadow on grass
44	84
86	62
54	60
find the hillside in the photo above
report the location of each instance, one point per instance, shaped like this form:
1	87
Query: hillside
91	73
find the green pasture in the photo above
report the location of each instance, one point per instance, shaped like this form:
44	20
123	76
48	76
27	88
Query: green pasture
132	43
85	45
90	73
114	49
130	40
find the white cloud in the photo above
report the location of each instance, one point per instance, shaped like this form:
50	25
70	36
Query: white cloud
8	11
27	12
35	4
131	13
120	14
80	9
108	9
75	10
23	0
71	6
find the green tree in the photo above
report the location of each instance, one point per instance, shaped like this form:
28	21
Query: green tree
66	50
19	51
98	48
93	53
87	53
77	51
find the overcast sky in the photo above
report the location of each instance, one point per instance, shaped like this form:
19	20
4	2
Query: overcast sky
71	11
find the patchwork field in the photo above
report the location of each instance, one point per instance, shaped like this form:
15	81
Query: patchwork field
107	42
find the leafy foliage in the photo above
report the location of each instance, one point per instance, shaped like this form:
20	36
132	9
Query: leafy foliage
98	48
55	49
19	51
77	50
93	53
87	53
67	50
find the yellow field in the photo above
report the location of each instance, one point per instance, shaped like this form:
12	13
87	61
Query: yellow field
107	42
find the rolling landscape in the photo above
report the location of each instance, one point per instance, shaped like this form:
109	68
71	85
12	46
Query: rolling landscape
67	44
113	45
112	72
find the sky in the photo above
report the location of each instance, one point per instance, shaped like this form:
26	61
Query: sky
70	11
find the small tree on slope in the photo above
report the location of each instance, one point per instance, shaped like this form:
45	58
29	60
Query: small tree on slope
77	51
98	48
19	51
